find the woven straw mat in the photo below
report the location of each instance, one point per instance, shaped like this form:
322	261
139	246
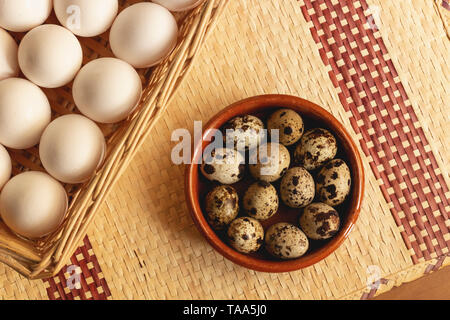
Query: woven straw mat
378	66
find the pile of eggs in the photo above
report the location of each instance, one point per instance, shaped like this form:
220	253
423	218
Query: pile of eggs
106	90
298	170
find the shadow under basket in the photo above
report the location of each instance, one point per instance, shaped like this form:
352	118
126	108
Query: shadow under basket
36	259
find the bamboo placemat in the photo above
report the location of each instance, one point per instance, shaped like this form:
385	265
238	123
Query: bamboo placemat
379	66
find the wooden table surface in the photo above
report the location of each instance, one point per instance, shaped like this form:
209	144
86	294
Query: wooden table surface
434	286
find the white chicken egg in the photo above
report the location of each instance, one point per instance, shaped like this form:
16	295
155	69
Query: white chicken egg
50	56
24	113
9	66
107	90
86	18
23	15
143	34
72	147
5	166
179	5
33	204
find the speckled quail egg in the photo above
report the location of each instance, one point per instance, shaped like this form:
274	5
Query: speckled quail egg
223	165
261	200
221	206
319	221
243	132
246	234
289	123
270	162
297	188
333	182
286	241
316	147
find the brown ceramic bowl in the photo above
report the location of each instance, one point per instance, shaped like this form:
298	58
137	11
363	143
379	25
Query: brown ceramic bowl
197	186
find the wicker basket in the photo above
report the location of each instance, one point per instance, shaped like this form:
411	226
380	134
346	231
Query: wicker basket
45	257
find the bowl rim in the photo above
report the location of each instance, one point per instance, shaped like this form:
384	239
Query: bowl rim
248	106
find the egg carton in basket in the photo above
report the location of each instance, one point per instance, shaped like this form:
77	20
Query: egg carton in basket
36	259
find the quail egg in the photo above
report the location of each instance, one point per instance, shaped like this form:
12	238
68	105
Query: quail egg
246	234
270	162
286	241
221	206
316	147
319	221
246	132
223	165
297	188
289	123
261	200
333	182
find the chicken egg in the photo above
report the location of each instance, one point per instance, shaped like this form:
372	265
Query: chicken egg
179	5
50	56
23	15
5	166
24	113
9	66
86	18
107	90
143	34
33	204
72	147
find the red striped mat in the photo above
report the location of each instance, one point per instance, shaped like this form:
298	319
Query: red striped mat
392	137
